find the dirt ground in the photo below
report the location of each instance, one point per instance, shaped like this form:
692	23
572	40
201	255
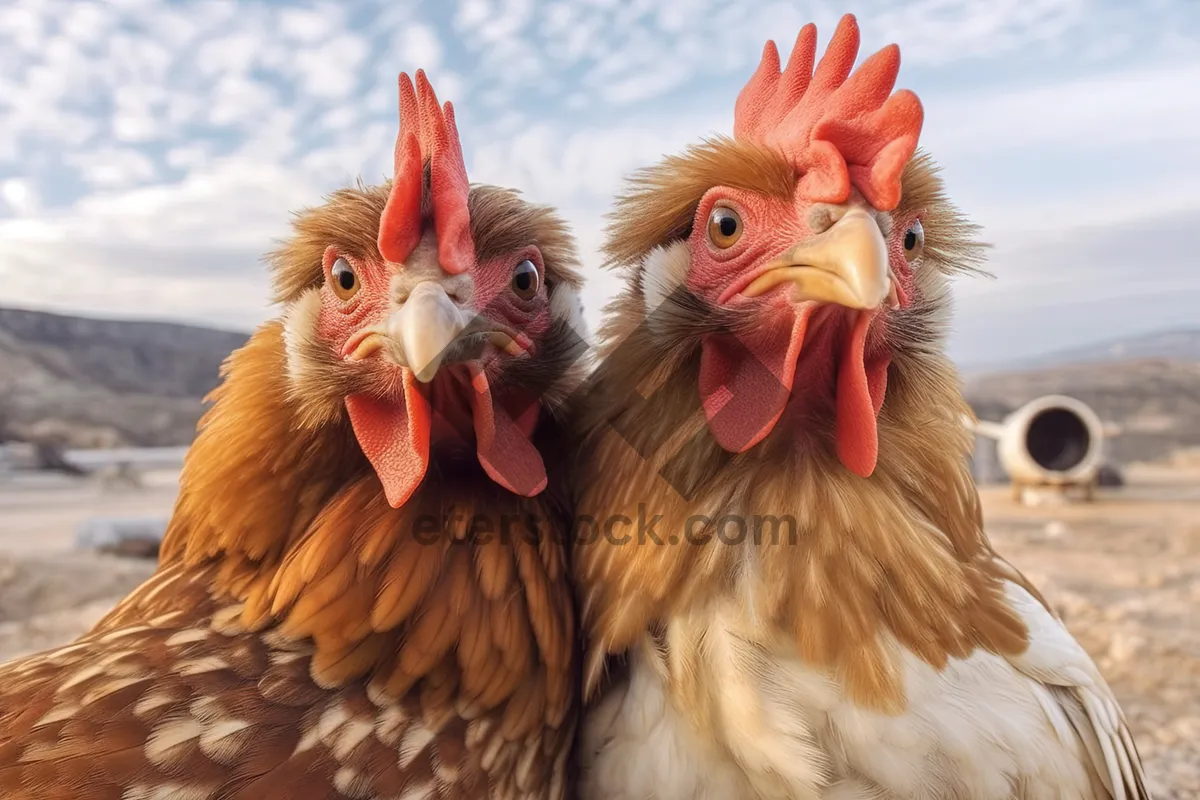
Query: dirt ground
1124	572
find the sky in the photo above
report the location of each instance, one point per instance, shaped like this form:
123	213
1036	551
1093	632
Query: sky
151	151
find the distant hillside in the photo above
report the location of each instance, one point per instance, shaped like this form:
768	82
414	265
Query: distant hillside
90	382
1155	400
1177	345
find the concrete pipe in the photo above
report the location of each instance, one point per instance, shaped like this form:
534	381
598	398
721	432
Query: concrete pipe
1051	441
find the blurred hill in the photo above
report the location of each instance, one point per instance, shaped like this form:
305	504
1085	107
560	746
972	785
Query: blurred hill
87	382
1152	392
1172	345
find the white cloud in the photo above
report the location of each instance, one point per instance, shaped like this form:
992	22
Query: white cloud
232	201
149	153
420	44
936	32
557	164
233	298
187	157
18	195
330	70
471	13
309	25
235	52
87	24
238	101
641	87
1145	106
113	167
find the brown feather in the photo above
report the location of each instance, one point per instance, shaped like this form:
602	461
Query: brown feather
902	554
662	199
297	640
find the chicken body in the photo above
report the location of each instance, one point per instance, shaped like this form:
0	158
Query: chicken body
356	597
720	698
819	613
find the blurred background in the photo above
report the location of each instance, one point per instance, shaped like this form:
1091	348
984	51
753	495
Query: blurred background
151	151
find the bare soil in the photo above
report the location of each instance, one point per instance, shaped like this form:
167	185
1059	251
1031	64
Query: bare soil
1124	572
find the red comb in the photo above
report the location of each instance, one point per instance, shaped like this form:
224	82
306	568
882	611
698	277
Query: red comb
427	135
837	128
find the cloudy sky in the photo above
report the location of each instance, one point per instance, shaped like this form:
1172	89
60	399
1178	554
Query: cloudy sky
150	151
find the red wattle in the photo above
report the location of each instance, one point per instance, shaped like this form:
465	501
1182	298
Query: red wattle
745	381
502	443
860	393
394	436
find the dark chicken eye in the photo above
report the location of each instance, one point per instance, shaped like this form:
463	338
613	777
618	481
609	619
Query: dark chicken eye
526	280
914	241
343	279
724	227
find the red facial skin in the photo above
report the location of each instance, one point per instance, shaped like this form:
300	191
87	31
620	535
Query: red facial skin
801	344
527	320
530	319
769	227
903	270
457	411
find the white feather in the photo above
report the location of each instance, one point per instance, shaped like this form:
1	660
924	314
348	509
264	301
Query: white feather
1054	658
663	271
1043	726
635	747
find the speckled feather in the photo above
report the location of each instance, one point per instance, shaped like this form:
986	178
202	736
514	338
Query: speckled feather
298	640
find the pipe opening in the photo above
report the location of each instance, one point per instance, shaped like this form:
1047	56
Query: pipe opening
1058	439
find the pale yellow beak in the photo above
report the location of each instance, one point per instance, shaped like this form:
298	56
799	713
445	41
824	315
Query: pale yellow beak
419	334
846	265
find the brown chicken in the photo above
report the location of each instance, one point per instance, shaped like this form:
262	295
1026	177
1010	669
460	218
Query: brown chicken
786	587
363	588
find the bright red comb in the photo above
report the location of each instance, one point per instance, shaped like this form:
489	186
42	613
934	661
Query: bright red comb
427	135
837	128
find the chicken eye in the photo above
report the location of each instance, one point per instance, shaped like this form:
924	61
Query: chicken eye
526	280
914	241
724	227
344	279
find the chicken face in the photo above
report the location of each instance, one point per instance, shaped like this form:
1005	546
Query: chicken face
424	318
818	280
449	330
435	344
794	238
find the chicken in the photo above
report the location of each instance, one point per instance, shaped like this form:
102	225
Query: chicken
786	590
363	589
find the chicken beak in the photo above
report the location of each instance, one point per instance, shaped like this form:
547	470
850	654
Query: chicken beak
846	265
419	334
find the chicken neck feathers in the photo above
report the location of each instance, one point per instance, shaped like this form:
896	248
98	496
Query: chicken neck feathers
303	639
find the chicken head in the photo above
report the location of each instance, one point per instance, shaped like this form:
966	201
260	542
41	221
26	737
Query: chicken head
451	328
